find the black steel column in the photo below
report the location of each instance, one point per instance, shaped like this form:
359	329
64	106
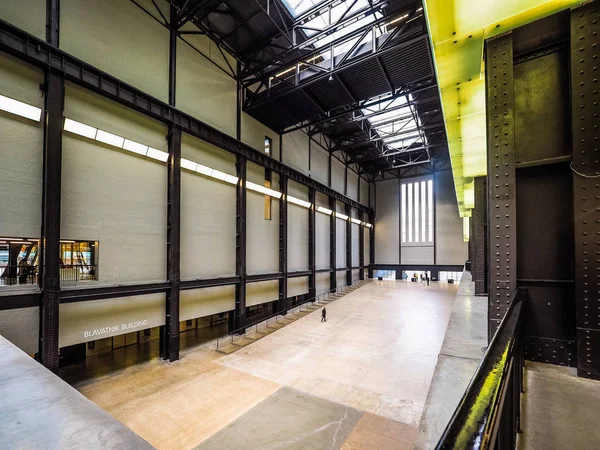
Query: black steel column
240	242
586	184
348	245
50	233
361	245
52	22
170	344
283	244
312	266
502	262
240	100
172	55
478	237
371	244
332	245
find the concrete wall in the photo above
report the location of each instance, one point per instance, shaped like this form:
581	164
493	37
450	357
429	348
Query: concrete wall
262	292
21	327
113	196
450	249
387	233
319	164
297	230
22	152
207	214
204	302
29	15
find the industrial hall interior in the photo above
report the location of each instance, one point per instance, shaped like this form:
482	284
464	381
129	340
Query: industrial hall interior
300	224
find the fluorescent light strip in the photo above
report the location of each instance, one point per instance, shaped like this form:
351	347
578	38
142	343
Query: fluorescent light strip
134	147
262	189
110	139
298	202
368	225
80	128
341	216
20	109
157	154
189	165
324	210
356	221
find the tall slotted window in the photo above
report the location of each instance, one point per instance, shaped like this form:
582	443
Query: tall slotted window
416	208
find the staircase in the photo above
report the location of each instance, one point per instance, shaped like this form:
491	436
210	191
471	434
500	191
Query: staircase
255	333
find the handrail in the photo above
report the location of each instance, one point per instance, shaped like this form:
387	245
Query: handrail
488	415
314	299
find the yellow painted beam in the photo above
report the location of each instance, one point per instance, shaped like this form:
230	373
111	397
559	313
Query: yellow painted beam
457	31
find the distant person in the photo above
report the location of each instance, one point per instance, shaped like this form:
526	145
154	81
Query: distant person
427	279
324	315
23	271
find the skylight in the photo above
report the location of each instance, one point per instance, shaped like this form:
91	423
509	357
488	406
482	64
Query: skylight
324	18
396	121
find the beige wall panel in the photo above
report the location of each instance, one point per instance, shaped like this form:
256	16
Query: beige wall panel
297	286
207	154
322	283
204	91
341	278
319	164
254	132
114	196
355	245
21	327
29	15
364	192
295	150
297	238
337	175
112	317
417	255
119	38
204	302
262	292
352	184
322	240
21	154
387	231
207	227
262	238
450	245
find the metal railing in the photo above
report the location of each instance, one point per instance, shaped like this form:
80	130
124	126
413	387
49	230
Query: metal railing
28	274
274	318
488	415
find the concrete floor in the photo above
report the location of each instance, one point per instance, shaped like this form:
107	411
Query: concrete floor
559	411
461	352
358	381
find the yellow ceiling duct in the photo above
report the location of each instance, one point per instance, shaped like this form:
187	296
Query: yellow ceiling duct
457	30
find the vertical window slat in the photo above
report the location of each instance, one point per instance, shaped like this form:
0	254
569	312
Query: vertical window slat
409	219
403	211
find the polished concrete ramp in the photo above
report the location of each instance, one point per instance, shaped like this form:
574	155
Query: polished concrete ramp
39	410
559	410
288	419
357	381
462	350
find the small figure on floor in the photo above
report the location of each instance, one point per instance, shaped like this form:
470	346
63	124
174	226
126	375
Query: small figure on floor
427	279
324	315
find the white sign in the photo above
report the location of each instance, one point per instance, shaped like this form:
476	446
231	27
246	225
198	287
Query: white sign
115	328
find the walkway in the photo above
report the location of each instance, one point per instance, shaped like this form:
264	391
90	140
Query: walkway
558	410
39	410
359	380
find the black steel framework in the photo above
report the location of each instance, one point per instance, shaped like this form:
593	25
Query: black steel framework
283	245
586	185
361	245
502	176
37	52
170	334
478	238
240	242
332	246
348	246
312	265
54	90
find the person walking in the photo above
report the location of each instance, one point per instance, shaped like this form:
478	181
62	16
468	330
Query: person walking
324	315
427	278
